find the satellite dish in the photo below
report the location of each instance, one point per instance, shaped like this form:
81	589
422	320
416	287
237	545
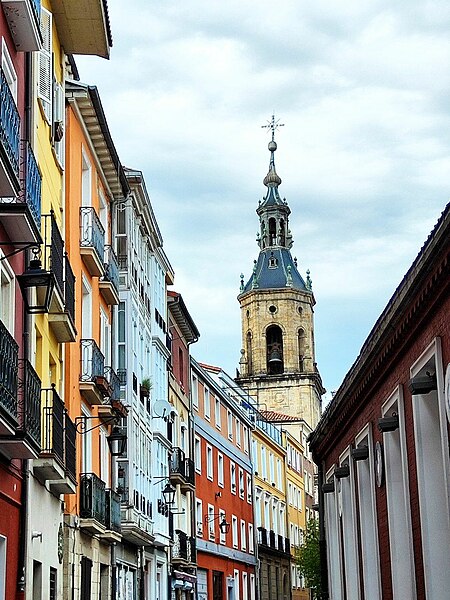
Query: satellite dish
161	409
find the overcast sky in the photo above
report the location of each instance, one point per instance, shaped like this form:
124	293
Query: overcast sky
363	89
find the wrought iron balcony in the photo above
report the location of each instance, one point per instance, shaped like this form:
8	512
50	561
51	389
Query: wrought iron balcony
272	539
9	354
27	441
93	383
70	448
69	288
180	546
280	543
57	445
189	474
109	283
23	18
176	466
92	241
112	515
192	550
262	536
92	503
113	383
9	140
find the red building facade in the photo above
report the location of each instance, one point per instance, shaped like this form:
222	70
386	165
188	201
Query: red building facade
226	548
19	229
382	446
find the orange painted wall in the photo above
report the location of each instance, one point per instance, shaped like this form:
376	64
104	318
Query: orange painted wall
75	144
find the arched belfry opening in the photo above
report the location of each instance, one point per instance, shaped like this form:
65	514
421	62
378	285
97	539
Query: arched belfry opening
249	353
301	349
281	237
272	231
274	346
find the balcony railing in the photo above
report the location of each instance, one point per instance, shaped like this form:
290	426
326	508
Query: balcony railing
70	447
92	361
272	539
189	471
112	515
9	125
92	498
111	267
92	233
9	352
69	288
176	463
29	404
262	536
31	183
180	545
113	383
53	424
122	375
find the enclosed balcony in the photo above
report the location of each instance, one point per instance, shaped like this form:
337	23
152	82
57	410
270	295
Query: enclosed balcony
55	261
180	547
93	384
92	241
109	283
189	475
92	503
9	357
23	21
51	464
26	441
112	517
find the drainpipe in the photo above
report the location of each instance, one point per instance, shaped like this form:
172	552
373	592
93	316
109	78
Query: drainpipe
21	582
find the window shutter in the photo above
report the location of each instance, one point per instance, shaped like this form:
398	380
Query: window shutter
45	64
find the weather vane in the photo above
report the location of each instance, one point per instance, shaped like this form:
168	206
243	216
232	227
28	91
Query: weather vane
273	125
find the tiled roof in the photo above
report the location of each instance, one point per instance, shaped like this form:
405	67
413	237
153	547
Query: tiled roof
275	417
283	275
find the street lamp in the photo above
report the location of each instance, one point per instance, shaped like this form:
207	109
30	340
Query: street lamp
37	278
169	494
224	526
117	441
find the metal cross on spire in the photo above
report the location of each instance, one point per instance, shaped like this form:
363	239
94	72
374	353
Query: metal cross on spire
273	126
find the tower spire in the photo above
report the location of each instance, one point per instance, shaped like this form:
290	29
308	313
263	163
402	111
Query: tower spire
272	179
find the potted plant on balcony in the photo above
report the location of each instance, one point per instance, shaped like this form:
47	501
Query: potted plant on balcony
146	386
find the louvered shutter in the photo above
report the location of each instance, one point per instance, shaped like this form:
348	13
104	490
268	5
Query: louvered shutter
45	64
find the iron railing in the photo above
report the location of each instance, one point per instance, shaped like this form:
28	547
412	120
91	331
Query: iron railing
122	261
122	375
192	550
9	124
272	539
69	289
31	183
176	462
180	545
189	471
92	233
112	515
262	536
113	382
53	424
111	267
29	403
9	353
70	447
92	361
92	498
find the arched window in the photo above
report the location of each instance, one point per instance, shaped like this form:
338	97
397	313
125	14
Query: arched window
274	346
281	236
249	353
272	232
301	349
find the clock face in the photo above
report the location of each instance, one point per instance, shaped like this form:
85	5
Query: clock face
379	472
447	391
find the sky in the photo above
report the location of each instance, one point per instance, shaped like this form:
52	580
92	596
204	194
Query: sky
362	87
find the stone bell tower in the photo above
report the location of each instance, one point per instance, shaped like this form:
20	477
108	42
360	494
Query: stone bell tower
277	364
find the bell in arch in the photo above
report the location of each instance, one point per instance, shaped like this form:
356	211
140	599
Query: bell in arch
275	356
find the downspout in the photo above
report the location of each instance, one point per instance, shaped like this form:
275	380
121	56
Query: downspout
21	583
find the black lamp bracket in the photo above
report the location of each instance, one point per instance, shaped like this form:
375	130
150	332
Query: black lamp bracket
81	422
23	246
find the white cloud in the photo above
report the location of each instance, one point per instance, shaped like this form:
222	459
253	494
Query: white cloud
363	89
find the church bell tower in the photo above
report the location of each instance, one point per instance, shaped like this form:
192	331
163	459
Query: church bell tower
277	364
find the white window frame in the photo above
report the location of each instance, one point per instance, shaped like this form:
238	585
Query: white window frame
220	470
244	585
249	488
222	534
45	87
9	70
209	463
198	454
230	424
211	523
199	512
194	391
217	413
234	531
251	540
206	404
395	460
233	477
7	294
241	483
243	536
335	582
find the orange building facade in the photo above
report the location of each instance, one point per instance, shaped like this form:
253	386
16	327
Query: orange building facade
226	548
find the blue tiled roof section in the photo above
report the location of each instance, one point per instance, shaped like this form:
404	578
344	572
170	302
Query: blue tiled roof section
270	277
272	197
